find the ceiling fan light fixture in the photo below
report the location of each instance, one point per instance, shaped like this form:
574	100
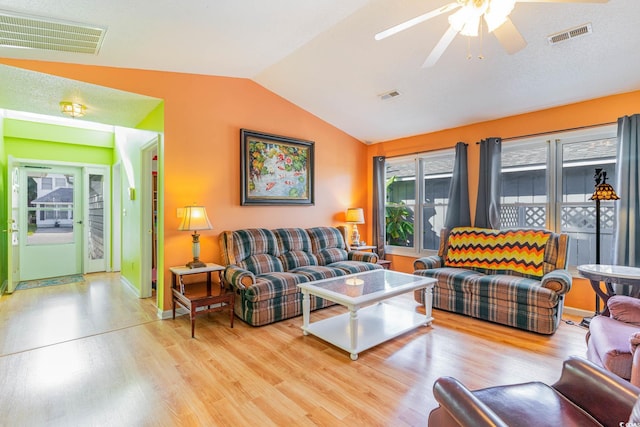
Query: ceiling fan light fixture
467	20
72	109
497	13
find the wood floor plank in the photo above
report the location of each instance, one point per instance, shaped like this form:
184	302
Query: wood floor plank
94	354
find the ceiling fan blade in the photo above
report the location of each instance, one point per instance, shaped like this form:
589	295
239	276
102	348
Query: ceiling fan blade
562	1
415	21
442	45
509	37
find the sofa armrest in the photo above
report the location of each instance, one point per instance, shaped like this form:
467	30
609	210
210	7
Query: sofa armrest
238	277
558	281
610	398
461	405
362	256
428	262
624	309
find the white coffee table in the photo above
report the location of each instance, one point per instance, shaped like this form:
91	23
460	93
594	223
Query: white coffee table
371	319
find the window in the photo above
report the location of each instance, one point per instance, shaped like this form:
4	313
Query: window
61	182
547	183
47	183
406	231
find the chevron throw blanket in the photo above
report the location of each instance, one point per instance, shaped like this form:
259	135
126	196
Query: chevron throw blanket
498	251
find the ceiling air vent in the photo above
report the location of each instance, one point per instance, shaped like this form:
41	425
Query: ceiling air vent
572	33
32	32
389	95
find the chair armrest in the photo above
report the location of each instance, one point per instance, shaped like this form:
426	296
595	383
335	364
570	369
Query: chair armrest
428	262
463	406
605	396
558	281
635	369
362	256
238	277
625	309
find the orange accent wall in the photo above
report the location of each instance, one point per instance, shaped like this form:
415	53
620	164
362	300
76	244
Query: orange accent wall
587	113
203	118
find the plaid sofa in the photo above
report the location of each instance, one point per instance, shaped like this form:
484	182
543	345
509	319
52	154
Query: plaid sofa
265	266
513	277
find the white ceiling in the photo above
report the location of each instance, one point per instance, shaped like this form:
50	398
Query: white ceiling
321	55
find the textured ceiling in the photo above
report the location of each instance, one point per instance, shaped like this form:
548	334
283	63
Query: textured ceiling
321	55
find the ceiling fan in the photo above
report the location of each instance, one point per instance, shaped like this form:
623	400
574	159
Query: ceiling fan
466	21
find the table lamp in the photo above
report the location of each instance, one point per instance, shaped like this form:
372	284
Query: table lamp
355	216
194	219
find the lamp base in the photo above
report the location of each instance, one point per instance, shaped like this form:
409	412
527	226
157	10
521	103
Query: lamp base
196	263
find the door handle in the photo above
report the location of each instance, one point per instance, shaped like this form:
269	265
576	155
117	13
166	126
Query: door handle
79	222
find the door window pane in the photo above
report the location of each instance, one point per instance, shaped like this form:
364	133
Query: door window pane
49	209
95	222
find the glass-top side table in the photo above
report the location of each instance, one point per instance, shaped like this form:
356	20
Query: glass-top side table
609	274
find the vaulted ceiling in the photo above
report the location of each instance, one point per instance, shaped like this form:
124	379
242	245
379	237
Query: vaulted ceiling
322	56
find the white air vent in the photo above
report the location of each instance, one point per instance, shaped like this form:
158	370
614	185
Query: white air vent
32	32
389	95
572	33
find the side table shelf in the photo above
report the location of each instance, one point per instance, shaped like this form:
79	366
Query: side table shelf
224	300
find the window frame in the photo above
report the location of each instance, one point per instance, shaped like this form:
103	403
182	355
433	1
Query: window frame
555	164
419	200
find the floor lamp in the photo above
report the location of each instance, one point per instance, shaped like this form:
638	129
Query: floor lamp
602	191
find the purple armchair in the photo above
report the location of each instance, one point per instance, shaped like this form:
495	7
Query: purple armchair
612	340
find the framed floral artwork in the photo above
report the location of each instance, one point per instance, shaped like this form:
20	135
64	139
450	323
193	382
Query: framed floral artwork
275	170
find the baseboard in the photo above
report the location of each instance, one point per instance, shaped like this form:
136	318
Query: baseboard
168	314
130	286
577	312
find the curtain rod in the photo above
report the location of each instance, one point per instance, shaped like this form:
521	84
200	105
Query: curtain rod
524	136
556	131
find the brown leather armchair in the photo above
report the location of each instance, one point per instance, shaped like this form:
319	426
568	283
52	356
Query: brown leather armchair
585	395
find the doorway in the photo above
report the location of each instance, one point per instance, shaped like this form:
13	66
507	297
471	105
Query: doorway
64	221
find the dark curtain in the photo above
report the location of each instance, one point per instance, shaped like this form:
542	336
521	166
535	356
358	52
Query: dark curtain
379	204
488	204
458	211
626	236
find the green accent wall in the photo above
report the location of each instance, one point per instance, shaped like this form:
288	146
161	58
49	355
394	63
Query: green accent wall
154	121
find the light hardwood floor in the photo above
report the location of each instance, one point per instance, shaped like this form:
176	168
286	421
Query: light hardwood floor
92	354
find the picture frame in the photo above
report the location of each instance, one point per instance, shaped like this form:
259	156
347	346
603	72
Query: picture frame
275	170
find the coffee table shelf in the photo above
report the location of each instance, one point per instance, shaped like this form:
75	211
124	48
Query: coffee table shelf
373	317
376	324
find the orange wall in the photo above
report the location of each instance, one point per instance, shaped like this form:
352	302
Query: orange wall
203	117
593	112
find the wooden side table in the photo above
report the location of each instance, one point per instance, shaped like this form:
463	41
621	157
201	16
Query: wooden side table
192	303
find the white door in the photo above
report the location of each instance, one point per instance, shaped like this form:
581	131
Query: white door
13	254
96	214
49	237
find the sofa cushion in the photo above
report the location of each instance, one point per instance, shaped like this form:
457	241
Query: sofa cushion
352	267
520	251
260	264
319	272
328	245
295	246
274	285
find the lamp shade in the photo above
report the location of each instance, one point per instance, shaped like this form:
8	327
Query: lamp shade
355	216
195	218
604	191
